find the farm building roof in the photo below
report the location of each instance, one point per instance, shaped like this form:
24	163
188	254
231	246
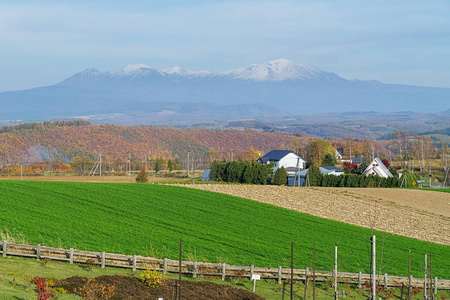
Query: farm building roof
276	155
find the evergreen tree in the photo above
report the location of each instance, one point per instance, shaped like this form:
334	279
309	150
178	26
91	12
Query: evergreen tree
213	175
169	165
315	176
249	173
362	167
280	177
329	160
157	167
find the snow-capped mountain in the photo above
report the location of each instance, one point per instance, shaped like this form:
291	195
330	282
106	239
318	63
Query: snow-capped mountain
274	70
279	86
279	70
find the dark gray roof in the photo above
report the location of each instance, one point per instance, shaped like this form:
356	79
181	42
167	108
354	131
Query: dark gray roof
276	155
332	168
357	160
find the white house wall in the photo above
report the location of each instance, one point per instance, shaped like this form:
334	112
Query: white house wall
290	160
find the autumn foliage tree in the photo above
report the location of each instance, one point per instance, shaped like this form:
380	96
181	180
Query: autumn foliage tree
318	148
142	177
250	155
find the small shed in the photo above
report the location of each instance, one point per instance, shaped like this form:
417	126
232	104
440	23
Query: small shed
205	175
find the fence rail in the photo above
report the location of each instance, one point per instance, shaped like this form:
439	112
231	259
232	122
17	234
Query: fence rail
197	269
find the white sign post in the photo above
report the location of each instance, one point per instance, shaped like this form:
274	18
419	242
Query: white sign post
254	278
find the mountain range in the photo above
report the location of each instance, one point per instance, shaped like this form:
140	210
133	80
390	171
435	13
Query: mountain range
139	94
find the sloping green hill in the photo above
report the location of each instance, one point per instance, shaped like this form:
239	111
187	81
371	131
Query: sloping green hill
150	219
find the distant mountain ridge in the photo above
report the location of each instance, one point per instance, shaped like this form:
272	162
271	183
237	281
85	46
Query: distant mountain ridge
143	93
275	70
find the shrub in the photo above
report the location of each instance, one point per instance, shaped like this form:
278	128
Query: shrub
91	290
280	177
386	162
352	167
142	177
44	290
152	279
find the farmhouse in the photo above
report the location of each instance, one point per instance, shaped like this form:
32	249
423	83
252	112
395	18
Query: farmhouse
376	167
283	158
296	179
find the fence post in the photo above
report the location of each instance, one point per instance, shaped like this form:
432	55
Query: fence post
5	242
385	280
194	273
360	279
435	285
223	271
165	265
103	259
134	263
279	275
38	251
252	267
71	256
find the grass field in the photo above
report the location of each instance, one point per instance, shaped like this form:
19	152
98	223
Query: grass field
150	219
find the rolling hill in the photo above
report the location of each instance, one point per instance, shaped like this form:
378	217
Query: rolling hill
149	220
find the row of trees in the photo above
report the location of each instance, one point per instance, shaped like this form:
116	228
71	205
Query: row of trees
316	178
242	172
47	124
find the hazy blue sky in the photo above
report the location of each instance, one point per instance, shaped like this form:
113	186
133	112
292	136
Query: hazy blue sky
43	42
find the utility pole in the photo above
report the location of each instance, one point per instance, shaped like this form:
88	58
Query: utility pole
188	166
335	274
21	174
145	155
129	164
100	164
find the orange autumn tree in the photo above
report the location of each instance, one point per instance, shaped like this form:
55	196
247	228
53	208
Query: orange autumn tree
250	155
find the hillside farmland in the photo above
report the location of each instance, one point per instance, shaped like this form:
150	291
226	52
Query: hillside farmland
149	219
419	214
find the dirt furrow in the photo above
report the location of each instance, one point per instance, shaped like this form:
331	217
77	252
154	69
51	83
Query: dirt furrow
423	215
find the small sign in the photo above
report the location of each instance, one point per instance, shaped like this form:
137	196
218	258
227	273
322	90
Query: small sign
256	277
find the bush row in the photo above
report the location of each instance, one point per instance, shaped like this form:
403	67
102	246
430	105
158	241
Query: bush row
353	180
243	172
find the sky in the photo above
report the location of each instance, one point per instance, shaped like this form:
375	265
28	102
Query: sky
401	42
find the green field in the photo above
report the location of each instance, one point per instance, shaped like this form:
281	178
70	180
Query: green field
149	220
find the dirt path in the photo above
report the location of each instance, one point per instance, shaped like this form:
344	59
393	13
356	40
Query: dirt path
423	215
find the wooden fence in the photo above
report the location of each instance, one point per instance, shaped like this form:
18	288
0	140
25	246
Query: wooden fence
197	269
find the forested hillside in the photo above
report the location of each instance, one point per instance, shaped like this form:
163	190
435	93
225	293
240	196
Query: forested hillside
62	143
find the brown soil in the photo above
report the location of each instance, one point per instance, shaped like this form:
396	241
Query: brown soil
130	287
419	214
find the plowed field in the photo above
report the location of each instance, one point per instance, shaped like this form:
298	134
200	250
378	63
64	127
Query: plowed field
424	215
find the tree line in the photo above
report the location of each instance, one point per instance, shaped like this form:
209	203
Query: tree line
47	124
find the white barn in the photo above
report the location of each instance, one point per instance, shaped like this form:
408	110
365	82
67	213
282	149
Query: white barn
283	158
376	167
